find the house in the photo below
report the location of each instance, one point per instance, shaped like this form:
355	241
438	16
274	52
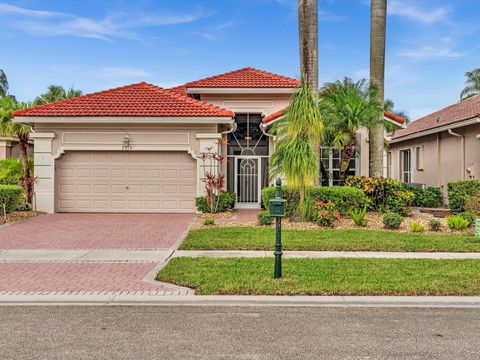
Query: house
440	147
136	148
9	148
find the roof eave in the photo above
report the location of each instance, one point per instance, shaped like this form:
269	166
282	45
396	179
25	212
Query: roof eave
436	130
212	90
123	119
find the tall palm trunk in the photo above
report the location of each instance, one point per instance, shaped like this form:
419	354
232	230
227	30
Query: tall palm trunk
27	183
378	22
308	41
348	152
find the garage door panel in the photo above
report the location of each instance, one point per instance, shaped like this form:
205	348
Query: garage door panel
126	182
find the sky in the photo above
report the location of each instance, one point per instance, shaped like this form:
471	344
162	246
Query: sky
99	44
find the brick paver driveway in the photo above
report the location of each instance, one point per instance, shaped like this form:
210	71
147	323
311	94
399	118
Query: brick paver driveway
96	231
115	232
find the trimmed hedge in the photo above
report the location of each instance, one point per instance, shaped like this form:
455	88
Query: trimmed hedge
430	197
345	198
460	192
227	202
11	196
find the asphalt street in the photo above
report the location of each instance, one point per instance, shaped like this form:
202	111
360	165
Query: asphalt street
203	332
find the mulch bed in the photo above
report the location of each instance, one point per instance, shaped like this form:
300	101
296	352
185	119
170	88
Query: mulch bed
17	216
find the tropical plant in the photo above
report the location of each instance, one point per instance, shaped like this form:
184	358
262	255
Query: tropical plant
298	135
392	220
473	203
473	84
22	132
56	93
378	22
209	221
264	218
325	213
11	171
459	192
346	107
358	216
435	225
416	227
469	216
456	222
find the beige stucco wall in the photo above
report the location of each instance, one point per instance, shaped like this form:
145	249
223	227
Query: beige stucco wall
443	159
249	103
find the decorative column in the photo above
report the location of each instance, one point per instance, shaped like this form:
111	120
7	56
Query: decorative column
44	198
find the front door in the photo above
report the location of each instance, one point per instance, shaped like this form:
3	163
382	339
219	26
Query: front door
247	170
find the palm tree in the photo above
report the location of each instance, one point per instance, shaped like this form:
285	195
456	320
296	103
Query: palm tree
378	24
308	39
346	107
56	93
21	131
3	84
473	84
298	136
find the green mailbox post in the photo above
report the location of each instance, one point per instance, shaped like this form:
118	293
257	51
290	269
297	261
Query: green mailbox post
277	210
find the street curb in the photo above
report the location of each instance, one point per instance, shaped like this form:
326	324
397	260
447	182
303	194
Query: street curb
122	298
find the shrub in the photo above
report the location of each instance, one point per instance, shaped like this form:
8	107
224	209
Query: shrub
226	202
11	196
325	213
470	217
11	170
264	218
456	222
392	220
430	197
209	221
384	194
435	225
358	216
416	227
345	198
459	192
473	203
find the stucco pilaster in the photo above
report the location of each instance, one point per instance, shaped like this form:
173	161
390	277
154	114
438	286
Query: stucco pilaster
44	198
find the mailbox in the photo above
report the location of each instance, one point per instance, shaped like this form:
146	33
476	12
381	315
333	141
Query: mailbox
277	207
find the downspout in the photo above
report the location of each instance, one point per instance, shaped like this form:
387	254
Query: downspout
462	137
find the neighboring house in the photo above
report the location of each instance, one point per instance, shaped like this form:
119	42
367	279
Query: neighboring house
136	148
438	148
9	148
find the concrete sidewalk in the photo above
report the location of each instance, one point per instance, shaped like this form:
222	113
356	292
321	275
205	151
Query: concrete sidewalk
325	254
182	298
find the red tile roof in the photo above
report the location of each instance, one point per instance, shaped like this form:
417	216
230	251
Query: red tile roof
243	78
137	100
461	111
276	115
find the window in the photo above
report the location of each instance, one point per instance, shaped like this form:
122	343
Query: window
419	158
406	166
330	166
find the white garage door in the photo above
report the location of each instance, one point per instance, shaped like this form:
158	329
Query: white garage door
126	182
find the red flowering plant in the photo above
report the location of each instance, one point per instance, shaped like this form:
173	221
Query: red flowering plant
325	213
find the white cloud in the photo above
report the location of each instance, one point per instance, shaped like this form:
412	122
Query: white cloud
119	72
429	52
119	25
426	17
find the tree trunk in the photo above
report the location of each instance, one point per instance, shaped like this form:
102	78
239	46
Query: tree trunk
308	43
347	153
378	22
27	183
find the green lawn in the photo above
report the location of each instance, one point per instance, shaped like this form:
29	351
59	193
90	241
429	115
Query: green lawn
242	276
249	238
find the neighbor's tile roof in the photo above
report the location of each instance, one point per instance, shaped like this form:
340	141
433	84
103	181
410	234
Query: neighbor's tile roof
463	110
276	115
137	100
243	78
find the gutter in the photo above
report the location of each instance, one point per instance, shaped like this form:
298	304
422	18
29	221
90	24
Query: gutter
462	137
